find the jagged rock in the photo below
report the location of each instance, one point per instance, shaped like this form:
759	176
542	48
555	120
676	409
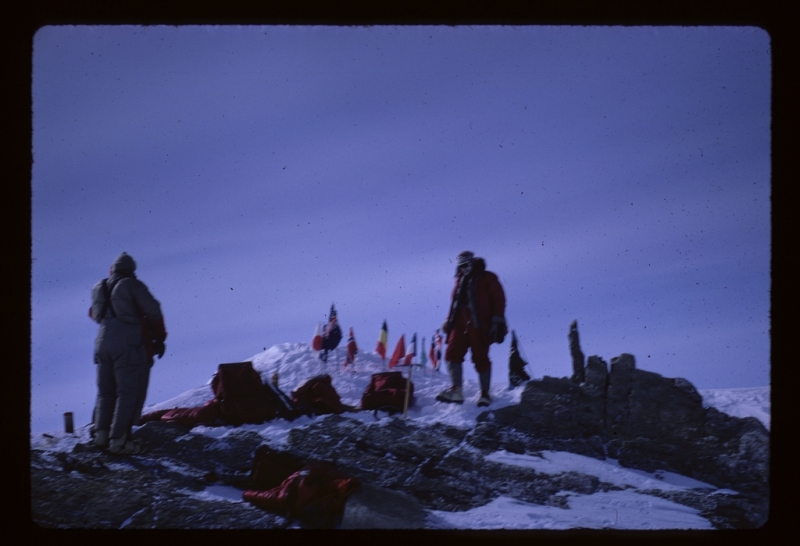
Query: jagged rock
596	376
553	414
577	354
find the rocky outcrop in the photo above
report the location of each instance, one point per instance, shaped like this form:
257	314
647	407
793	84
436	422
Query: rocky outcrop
640	418
576	353
445	468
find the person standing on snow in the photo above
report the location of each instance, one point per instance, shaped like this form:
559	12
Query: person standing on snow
131	333
476	320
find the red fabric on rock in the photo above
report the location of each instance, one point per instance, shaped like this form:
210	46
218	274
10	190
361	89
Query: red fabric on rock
152	416
206	414
316	482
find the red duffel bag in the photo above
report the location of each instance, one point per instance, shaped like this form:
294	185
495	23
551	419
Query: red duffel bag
387	391
316	494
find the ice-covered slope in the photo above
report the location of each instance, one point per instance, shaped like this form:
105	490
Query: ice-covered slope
295	363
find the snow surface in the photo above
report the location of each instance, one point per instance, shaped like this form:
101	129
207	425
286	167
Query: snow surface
747	402
295	363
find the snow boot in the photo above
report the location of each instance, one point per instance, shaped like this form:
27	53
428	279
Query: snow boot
456	371
485	379
101	438
119	446
453	395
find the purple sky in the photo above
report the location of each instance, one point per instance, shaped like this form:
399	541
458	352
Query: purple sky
619	176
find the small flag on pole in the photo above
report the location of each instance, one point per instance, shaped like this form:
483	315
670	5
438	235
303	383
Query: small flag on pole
352	349
316	341
383	340
411	351
331	335
435	353
399	352
422	359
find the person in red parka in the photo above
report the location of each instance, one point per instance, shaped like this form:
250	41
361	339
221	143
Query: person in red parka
476	320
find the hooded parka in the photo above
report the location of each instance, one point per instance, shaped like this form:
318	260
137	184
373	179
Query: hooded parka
130	322
477	299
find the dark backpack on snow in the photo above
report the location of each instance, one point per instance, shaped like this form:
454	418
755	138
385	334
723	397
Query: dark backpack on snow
238	390
387	391
317	396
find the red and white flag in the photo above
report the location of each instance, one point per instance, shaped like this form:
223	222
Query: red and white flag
352	349
435	354
316	341
411	351
399	352
383	340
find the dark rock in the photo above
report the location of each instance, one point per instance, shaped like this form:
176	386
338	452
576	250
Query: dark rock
644	420
489	437
130	492
596	381
647	422
577	354
553	414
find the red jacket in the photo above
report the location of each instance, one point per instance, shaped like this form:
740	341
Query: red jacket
483	297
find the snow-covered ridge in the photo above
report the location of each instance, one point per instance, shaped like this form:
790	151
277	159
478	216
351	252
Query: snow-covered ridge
295	363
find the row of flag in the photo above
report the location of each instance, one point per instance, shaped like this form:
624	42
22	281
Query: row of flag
408	353
327	339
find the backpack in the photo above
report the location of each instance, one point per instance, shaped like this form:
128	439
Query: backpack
387	391
239	393
317	397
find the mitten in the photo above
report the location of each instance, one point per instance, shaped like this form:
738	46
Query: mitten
498	331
